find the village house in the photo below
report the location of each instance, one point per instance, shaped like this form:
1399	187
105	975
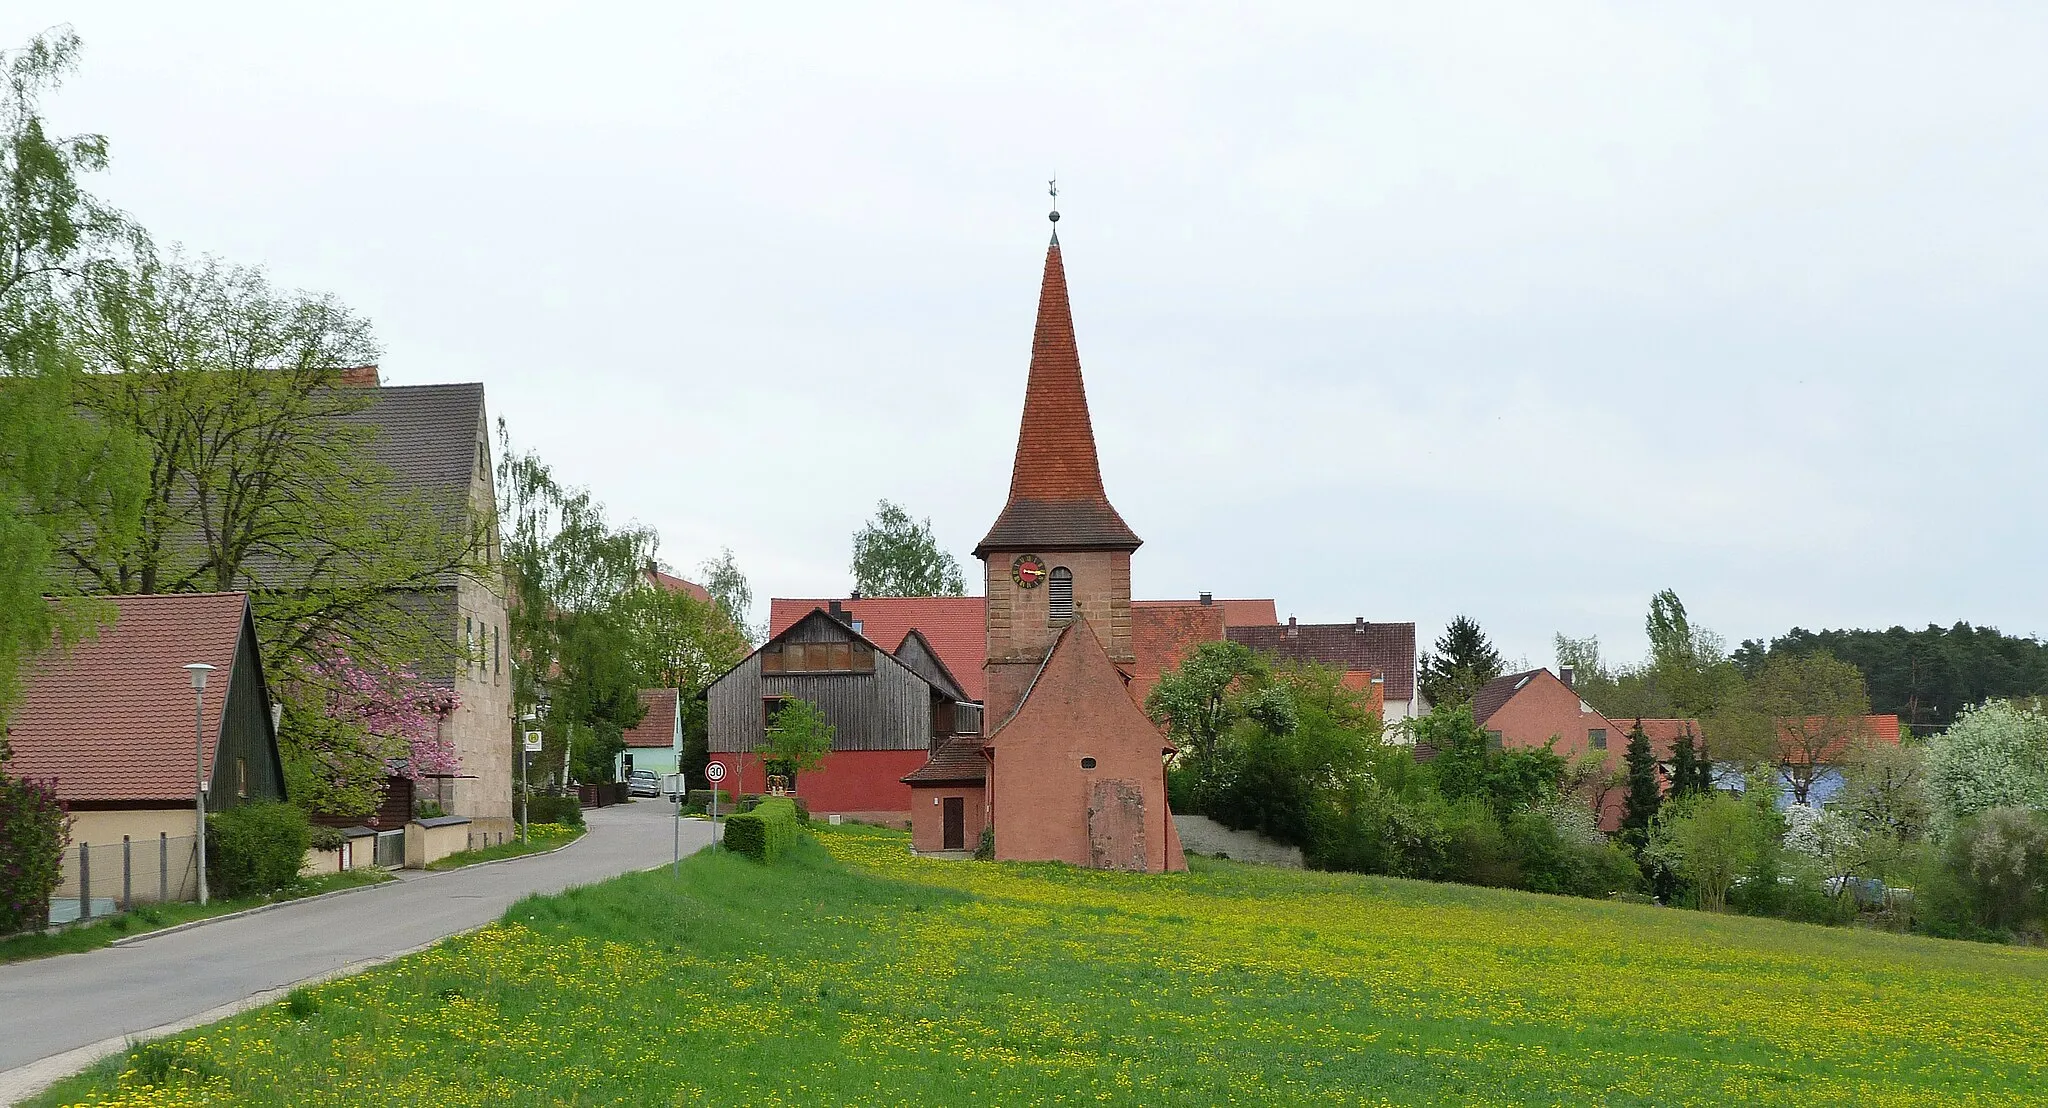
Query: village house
435	440
889	711
656	742
1377	659
1526	711
111	724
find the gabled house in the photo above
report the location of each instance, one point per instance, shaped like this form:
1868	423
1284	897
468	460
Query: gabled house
435	440
887	715
111	723
1524	711
656	742
1372	656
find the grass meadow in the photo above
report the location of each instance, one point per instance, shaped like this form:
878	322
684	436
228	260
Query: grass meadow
855	974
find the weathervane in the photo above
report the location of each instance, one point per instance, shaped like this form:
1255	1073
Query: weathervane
1053	187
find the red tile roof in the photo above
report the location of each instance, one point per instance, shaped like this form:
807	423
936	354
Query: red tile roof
957	761
673	583
112	718
658	726
1495	694
955	626
1387	649
1875	728
1236	613
1163	635
1056	495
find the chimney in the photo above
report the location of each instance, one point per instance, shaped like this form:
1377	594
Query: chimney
1208	599
1292	630
1358	625
359	377
1565	674
836	611
854	595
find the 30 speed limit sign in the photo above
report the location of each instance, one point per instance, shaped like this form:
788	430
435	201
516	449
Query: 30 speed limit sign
714	772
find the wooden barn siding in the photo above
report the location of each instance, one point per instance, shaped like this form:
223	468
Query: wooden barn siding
889	709
920	661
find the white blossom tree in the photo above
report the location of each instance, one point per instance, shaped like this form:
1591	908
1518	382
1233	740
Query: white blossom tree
1995	756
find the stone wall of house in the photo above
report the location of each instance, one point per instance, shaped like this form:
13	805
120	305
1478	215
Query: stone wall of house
1202	835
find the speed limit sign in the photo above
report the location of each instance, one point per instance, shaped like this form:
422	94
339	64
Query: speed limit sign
714	772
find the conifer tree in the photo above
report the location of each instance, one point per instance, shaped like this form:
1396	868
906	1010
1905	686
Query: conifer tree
1464	660
1644	796
1684	766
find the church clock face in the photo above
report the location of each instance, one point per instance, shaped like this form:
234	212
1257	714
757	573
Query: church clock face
1028	570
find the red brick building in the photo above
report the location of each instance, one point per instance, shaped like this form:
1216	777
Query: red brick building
1072	771
1523	711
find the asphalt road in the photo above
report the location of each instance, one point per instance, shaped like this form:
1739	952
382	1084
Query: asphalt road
60	1005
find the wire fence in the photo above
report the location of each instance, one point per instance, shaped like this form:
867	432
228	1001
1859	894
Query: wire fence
101	879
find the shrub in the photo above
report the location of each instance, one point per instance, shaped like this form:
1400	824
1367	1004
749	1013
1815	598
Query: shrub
1997	861
255	848
428	809
986	851
326	838
552	808
700	799
765	833
33	834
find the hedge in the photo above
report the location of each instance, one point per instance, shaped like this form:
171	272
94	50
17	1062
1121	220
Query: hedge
765	833
751	801
255	848
701	798
550	808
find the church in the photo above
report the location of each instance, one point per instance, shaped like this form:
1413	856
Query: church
1067	767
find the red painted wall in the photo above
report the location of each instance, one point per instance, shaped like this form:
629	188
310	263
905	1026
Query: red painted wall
867	782
928	816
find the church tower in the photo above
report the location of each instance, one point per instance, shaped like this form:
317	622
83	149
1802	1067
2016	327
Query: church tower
1058	552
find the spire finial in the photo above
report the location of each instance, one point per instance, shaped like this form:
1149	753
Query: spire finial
1053	187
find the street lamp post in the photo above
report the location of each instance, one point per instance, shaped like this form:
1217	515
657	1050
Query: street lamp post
198	672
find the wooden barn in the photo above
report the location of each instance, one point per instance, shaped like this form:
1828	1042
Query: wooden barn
888	711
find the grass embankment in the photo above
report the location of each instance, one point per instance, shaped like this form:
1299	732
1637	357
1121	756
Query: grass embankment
854	974
541	837
156	917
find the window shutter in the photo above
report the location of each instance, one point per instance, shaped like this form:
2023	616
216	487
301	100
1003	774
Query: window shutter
1059	593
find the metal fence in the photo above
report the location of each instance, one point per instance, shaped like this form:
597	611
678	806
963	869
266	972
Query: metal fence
103	878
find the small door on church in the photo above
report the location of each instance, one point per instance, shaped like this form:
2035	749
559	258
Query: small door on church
955	809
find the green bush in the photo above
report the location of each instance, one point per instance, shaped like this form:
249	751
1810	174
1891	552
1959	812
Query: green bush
550	808
33	833
700	799
255	848
765	833
1990	879
326	838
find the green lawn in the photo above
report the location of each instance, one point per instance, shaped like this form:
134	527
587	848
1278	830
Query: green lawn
156	917
855	974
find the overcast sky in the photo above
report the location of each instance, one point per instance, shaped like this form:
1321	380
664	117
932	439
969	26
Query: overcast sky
1522	311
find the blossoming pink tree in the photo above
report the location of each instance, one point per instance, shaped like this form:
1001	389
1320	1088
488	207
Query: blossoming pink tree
355	723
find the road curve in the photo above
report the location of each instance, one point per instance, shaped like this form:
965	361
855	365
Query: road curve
62	1005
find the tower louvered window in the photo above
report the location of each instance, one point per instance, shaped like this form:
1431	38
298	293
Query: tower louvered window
1059	593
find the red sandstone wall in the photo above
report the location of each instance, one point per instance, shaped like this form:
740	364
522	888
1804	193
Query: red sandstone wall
928	816
1020	630
851	782
1041	793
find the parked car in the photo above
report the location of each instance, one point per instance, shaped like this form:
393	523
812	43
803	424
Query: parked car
643	782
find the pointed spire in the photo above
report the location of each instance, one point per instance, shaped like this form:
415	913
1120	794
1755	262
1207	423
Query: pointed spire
1056	495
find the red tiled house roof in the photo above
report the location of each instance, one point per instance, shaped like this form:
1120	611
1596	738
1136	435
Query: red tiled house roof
673	583
111	720
1056	500
1163	635
957	761
1873	728
1387	649
1236	613
1495	694
955	626
657	727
